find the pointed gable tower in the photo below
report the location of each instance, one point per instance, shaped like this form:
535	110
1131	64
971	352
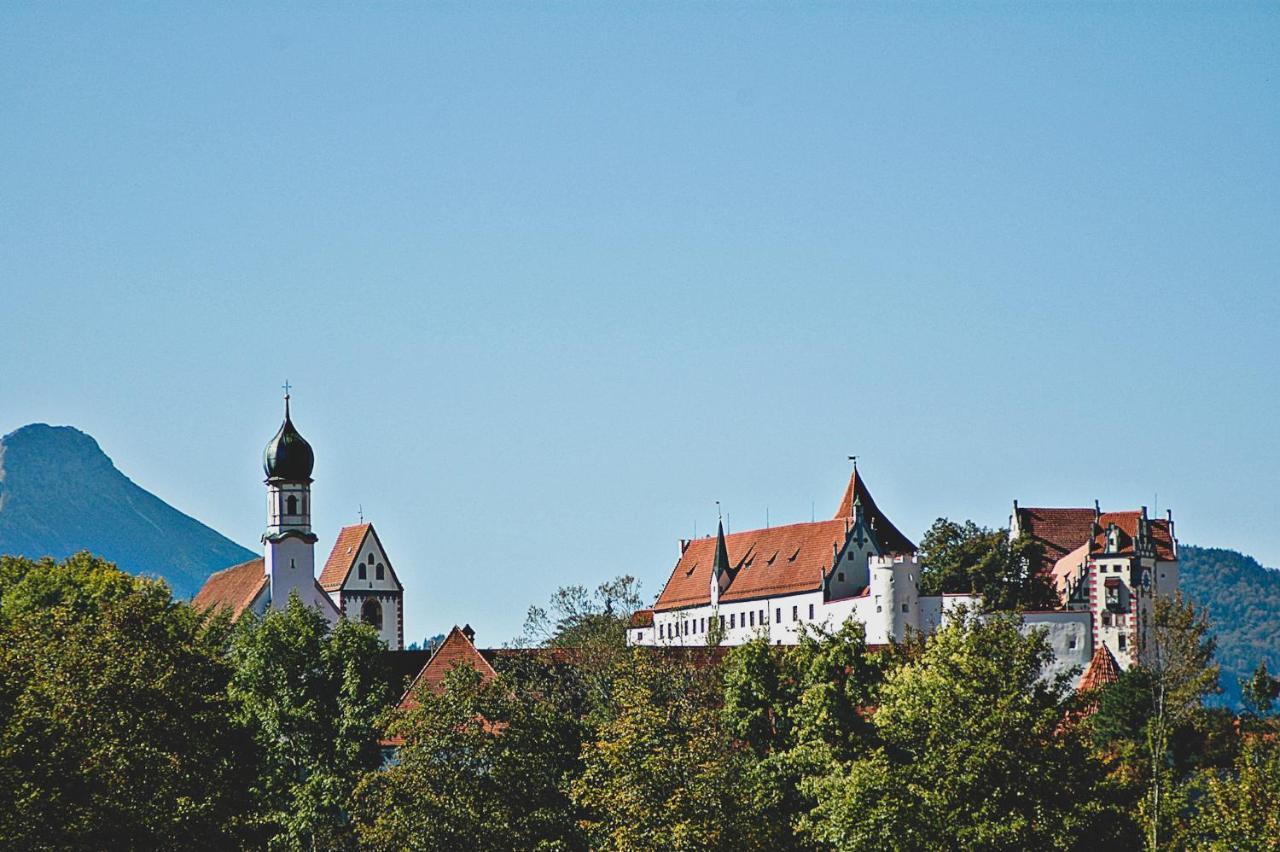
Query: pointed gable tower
360	581
720	571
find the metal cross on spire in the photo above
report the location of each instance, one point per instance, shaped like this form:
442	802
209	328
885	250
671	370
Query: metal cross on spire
287	387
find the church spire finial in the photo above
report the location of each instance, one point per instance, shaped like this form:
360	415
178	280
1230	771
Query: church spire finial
287	387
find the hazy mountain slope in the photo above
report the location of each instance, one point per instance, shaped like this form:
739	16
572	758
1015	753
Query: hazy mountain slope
1243	600
59	494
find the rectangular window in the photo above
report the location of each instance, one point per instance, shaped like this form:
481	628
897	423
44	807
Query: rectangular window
752	616
777	614
660	627
795	613
763	620
722	622
1123	641
840	576
704	625
1072	642
811	612
904	607
733	618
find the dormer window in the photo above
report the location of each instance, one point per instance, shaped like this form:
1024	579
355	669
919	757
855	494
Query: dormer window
1113	538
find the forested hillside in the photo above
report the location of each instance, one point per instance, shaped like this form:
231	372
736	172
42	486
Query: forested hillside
1243	600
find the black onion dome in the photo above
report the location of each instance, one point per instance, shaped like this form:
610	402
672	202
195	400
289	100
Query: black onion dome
288	456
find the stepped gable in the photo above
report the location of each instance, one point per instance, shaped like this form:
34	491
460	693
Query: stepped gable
890	539
343	556
1127	522
235	588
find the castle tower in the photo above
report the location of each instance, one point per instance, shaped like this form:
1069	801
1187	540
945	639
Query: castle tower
288	541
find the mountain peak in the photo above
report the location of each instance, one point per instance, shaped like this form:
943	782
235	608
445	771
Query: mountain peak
60	493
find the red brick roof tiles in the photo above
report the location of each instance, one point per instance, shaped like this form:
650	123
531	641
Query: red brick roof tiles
1102	670
235	588
455	650
887	535
641	618
345	550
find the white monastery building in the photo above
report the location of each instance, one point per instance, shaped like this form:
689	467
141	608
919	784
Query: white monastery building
772	582
357	581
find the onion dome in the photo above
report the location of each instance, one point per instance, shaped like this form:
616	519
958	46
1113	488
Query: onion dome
288	456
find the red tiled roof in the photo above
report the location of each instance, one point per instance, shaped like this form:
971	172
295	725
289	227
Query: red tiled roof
641	618
773	561
887	535
777	560
235	587
1102	670
1059	530
1127	522
456	649
345	549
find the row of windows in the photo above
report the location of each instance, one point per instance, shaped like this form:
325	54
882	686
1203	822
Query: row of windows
697	625
363	569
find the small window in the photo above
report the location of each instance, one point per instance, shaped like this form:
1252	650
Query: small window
752	616
1106	619
704	625
795	613
811	612
370	558
380	571
721	622
733	620
840	576
1123	642
291	505
777	614
1071	643
879	608
904	608
659	631
362	574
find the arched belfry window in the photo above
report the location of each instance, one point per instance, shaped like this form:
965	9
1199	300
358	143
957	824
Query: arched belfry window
380	571
371	614
291	505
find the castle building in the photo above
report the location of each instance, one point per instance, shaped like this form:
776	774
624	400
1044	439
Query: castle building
357	581
773	582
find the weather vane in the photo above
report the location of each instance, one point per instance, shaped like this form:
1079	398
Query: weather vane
854	459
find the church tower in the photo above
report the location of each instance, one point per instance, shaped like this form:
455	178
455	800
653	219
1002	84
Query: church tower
288	541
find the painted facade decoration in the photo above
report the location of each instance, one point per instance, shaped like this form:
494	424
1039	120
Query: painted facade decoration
357	581
773	582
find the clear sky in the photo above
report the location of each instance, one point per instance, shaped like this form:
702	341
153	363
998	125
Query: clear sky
549	280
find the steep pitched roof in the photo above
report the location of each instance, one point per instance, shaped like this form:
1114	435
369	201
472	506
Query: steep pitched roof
235	588
773	561
887	535
343	556
1060	531
1102	670
1127	523
777	560
456	649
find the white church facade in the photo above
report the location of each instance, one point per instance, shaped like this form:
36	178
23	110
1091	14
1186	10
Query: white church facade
773	582
357	581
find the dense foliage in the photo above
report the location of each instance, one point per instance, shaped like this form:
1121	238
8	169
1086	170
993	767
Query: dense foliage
129	720
1242	599
957	557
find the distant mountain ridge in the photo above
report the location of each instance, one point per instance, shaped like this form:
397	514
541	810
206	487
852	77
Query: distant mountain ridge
60	494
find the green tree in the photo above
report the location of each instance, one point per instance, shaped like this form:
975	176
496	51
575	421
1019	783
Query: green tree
1240	812
973	754
660	772
978	560
482	766
313	697
1260	692
115	726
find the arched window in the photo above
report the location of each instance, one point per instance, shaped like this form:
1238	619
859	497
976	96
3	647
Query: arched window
371	613
362	574
370	558
291	505
380	571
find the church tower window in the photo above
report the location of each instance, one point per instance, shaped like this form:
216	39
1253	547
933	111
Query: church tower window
291	505
362	574
371	614
380	571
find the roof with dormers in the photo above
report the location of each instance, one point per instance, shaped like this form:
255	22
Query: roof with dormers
777	560
235	588
1063	530
1127	523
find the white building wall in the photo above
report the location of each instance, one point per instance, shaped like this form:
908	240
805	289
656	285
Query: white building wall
1069	634
290	566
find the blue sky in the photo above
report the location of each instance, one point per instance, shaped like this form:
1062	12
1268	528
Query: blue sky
549	280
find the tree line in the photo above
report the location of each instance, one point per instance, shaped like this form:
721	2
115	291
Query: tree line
128	719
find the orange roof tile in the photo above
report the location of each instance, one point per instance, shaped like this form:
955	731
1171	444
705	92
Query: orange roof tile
641	618
345	549
236	587
1060	531
1127	522
456	649
1102	670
